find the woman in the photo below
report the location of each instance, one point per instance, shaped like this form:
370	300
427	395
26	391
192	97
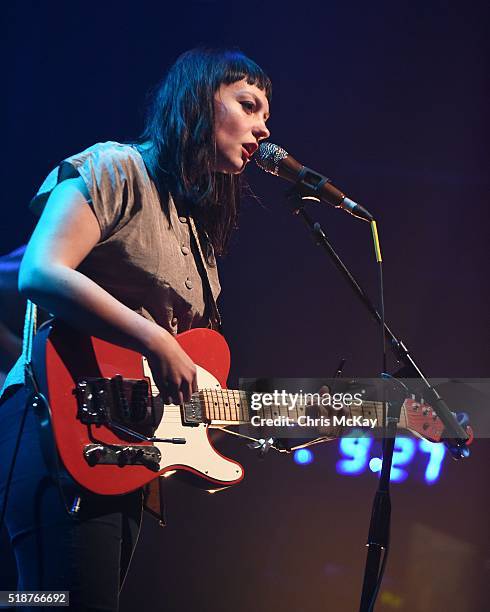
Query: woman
124	250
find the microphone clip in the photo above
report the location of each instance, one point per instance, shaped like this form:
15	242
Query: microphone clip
297	195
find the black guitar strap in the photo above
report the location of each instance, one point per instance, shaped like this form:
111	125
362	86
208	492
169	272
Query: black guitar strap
213	314
39	404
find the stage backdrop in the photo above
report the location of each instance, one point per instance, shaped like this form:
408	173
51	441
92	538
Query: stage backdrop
387	99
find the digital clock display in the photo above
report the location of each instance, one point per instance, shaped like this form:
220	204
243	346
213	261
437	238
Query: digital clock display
360	454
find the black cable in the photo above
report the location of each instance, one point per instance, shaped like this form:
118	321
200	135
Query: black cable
382	314
383	371
380	579
384	428
383	345
50	451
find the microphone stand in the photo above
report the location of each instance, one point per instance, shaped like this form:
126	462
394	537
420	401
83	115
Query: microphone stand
456	433
456	438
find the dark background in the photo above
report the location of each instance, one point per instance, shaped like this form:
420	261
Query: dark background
389	100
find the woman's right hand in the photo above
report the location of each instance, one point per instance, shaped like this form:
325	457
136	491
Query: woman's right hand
173	371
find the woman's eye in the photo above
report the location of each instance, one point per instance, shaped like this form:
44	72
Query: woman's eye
248	106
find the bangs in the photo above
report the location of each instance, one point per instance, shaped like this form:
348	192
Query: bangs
238	66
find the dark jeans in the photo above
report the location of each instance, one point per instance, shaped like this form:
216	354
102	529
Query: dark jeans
87	554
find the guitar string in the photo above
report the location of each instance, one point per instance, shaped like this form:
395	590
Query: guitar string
231	412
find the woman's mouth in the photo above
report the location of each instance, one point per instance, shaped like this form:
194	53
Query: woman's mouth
249	149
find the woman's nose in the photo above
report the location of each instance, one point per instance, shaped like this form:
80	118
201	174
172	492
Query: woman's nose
261	132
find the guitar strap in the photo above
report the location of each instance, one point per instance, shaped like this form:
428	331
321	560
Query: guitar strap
30	326
39	404
212	311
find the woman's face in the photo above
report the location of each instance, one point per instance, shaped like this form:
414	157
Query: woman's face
240	112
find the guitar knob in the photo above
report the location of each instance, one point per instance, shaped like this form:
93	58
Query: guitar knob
94	454
128	454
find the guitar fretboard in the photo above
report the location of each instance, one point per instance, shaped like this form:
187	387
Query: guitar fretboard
233	407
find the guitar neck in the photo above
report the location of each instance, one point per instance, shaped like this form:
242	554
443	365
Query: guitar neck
223	407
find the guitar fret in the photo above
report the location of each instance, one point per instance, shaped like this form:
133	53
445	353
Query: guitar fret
237	406
232	403
229	399
219	405
207	409
244	406
224	404
241	408
214	404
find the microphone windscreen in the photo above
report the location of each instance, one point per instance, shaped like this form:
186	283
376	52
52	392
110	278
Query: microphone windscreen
269	156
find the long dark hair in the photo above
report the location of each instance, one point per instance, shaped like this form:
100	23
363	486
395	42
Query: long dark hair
180	128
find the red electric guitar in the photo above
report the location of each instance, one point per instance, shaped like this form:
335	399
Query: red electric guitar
113	432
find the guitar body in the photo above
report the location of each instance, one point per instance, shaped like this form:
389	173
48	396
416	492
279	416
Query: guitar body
63	357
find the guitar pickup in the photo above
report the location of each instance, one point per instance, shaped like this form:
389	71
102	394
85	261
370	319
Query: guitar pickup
193	414
140	454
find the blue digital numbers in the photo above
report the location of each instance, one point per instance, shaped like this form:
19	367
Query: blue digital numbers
357	451
402	455
436	456
356	457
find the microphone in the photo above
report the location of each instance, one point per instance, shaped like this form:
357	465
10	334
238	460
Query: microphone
276	160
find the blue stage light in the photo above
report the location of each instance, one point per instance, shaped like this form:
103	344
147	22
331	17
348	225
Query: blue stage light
303	456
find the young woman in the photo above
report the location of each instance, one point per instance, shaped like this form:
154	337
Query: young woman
124	250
